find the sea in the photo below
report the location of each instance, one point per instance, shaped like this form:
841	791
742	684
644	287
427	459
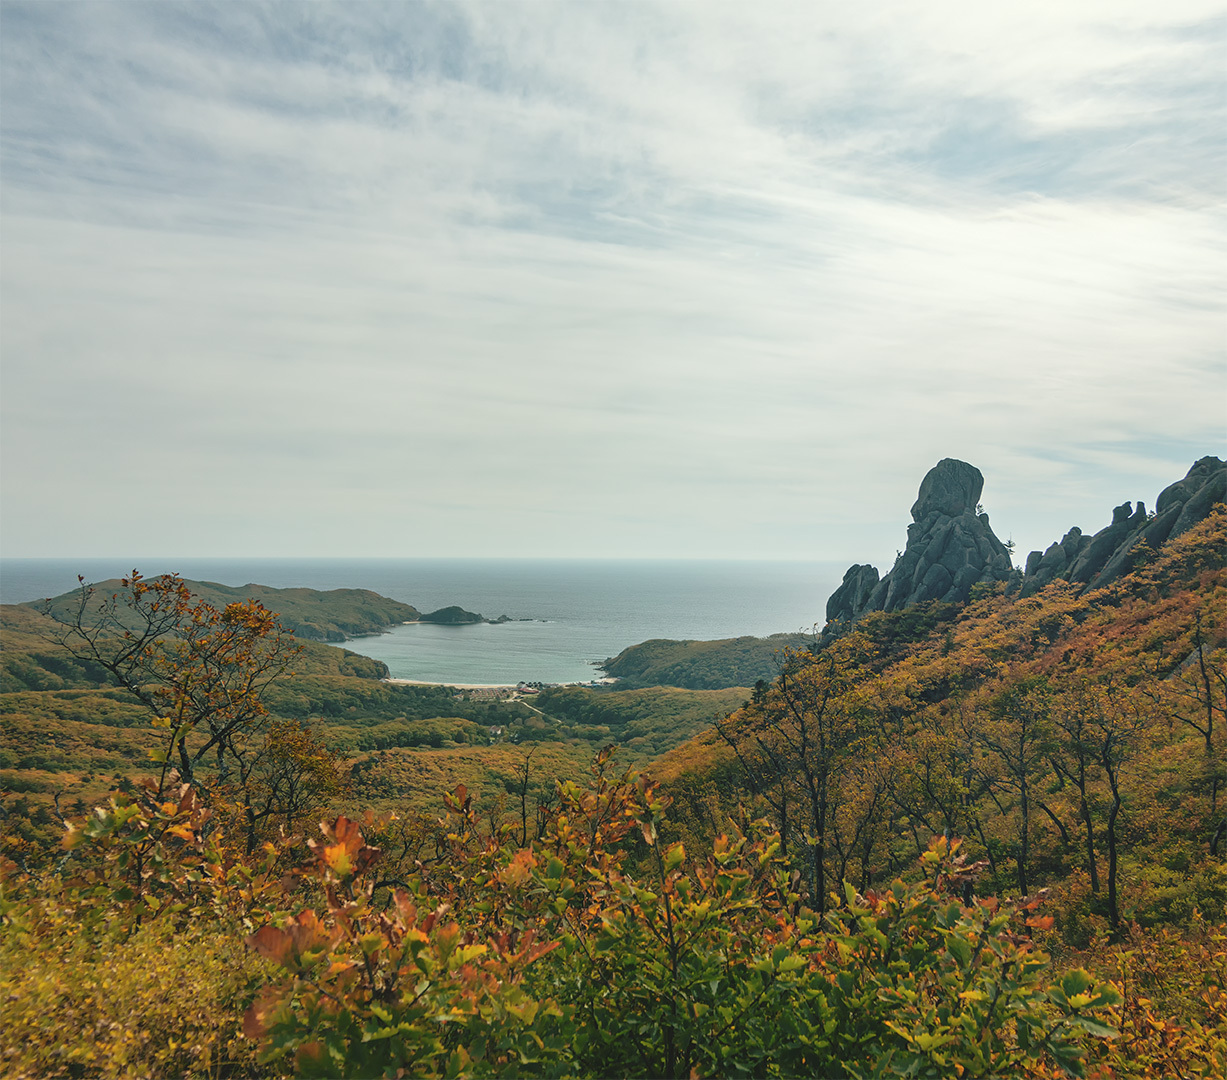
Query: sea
566	615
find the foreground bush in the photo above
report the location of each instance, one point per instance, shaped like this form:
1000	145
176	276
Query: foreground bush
164	1002
564	958
1172	1016
130	961
594	951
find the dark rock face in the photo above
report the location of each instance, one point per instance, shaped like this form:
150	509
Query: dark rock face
1096	561
853	595
951	487
949	549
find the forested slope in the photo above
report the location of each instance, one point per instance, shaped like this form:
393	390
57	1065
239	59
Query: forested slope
701	665
70	735
957	840
1073	740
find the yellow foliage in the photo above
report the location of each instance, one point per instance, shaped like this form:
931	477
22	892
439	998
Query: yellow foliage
164	1002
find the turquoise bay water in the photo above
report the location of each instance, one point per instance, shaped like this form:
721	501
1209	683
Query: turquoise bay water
578	612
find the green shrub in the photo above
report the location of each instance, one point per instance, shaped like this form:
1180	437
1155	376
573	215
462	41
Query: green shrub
562	958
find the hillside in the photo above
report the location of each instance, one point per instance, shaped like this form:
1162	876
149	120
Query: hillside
988	834
1076	739
646	721
309	614
70	735
1071	742
701	665
32	659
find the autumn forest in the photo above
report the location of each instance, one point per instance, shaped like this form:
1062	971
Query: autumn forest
969	839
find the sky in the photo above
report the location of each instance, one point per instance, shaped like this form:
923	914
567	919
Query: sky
601	280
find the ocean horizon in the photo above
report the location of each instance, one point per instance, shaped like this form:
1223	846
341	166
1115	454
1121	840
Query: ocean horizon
567	615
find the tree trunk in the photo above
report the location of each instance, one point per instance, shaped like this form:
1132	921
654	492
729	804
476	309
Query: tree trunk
1219	833
249	813
1113	908
820	852
783	812
1208	690
988	851
1065	843
524	800
1024	837
185	763
1092	867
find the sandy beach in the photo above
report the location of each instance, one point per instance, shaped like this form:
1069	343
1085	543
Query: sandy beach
453	685
607	681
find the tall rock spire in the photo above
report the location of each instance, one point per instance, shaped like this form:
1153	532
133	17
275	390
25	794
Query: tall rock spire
950	548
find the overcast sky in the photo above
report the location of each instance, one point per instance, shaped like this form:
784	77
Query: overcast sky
582	279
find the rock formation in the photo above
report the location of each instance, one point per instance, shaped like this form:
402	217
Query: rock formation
1095	561
950	548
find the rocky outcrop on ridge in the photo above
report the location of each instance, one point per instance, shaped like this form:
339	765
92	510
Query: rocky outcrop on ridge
1095	561
950	548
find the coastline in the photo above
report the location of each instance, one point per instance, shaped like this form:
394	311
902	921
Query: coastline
606	681
452	685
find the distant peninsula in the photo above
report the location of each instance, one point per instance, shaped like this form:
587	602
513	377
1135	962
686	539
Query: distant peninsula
452	616
310	614
457	616
333	616
701	665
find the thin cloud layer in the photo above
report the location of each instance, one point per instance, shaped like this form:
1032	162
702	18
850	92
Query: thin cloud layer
599	279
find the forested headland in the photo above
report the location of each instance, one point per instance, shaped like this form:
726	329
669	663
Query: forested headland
953	835
308	614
